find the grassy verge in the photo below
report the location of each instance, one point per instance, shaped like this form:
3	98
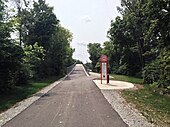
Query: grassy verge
127	78
21	92
155	107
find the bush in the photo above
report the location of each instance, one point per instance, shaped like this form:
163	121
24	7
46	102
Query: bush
34	56
159	71
151	73
123	69
164	80
97	67
23	77
11	65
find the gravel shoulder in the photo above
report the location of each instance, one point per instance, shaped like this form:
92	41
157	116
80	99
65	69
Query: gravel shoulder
127	112
21	106
24	104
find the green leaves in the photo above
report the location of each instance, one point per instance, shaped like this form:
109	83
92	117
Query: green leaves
94	49
141	37
60	52
10	56
11	65
44	45
42	25
34	56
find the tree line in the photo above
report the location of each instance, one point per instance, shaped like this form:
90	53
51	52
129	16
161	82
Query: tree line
139	42
33	44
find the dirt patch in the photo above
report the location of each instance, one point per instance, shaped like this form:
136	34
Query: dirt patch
137	86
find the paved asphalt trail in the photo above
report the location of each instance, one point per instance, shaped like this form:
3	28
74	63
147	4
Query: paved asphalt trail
75	102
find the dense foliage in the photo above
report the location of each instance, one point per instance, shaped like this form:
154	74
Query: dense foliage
140	41
94	49
40	47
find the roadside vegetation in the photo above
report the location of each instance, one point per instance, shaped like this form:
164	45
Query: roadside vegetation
22	92
19	93
155	107
148	100
139	46
33	46
127	78
138	43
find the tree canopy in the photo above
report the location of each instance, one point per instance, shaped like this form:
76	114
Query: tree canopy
139	41
41	48
94	49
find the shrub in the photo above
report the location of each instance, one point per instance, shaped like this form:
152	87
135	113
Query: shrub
11	65
151	73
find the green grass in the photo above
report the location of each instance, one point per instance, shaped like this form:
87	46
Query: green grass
127	78
155	107
19	93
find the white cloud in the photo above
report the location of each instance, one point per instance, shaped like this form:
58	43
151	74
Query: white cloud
86	18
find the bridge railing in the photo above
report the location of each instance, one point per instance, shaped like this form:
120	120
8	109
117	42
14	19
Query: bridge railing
86	68
70	68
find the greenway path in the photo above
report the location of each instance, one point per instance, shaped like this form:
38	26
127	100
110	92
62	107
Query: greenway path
75	102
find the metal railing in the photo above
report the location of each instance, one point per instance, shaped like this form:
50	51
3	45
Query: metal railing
87	69
70	68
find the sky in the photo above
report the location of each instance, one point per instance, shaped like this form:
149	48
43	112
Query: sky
88	21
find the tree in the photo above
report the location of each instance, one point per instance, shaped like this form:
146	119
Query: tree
125	49
20	17
60	53
42	24
110	51
11	69
158	36
33	58
94	49
142	35
44	46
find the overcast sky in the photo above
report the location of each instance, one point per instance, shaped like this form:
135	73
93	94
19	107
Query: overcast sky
88	20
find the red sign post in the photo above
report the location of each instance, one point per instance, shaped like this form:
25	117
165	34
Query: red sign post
104	68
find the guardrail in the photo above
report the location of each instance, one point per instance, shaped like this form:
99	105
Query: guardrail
87	69
70	68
